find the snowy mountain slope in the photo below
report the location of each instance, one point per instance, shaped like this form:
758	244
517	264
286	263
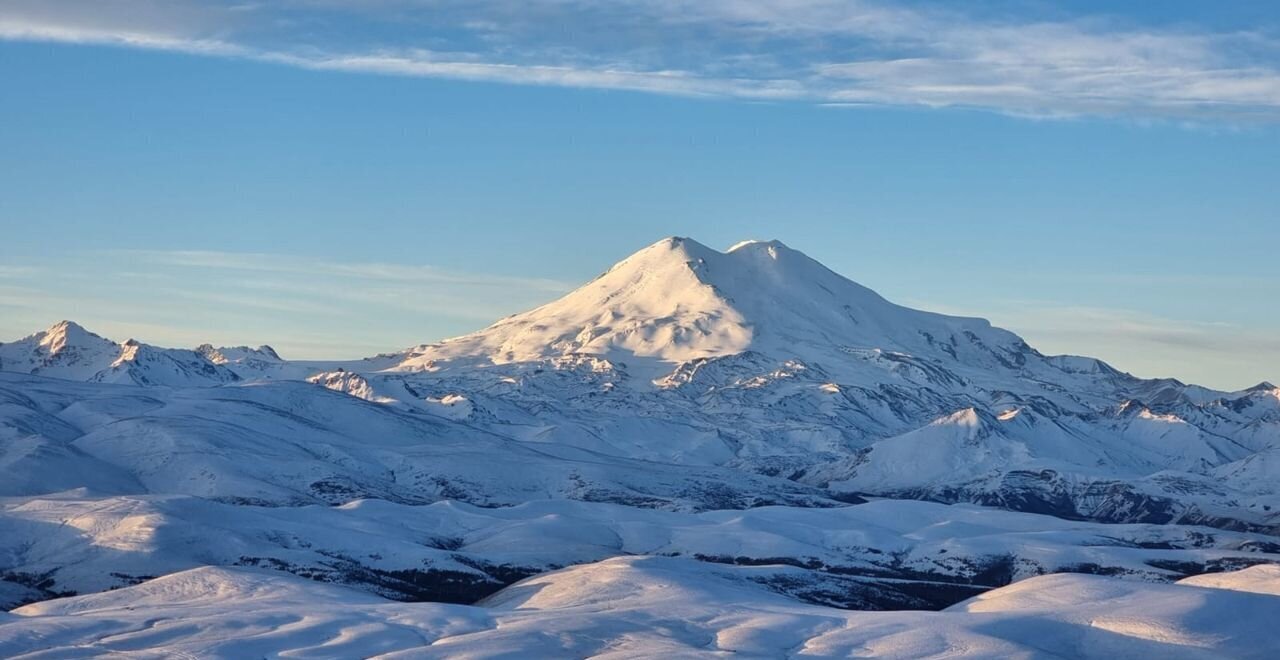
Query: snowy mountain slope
36	454
761	360
638	607
888	554
66	350
294	442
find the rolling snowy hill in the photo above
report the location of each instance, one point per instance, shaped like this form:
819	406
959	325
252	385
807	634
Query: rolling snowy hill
889	554
642	607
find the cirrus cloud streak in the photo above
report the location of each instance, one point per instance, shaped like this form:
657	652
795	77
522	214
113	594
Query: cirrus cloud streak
818	51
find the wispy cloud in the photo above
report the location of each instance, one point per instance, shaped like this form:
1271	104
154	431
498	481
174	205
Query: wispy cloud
1091	325
823	51
282	263
8	271
313	308
1218	354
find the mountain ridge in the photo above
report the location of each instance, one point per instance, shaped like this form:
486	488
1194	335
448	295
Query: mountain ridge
67	350
762	360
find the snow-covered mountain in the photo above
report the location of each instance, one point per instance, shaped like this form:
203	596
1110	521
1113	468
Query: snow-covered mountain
697	450
678	301
763	361
66	350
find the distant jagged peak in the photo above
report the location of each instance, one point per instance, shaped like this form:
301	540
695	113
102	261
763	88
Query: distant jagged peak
237	354
1264	394
66	333
211	354
66	326
63	350
129	352
68	351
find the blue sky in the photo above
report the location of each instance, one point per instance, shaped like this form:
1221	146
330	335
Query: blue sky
340	178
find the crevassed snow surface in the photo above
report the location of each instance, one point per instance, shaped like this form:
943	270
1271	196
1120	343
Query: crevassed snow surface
671	451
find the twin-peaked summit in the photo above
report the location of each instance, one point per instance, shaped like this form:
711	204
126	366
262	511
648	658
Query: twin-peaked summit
678	300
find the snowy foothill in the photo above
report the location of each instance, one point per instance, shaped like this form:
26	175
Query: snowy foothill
640	607
888	554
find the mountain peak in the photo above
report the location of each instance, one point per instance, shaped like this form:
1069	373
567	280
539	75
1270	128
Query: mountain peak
671	251
63	350
678	300
65	333
238	354
64	326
